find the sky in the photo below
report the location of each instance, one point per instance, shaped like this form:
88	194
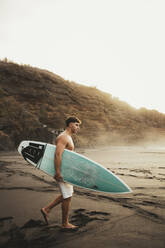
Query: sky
117	46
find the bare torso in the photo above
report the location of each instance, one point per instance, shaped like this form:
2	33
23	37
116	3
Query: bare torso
68	140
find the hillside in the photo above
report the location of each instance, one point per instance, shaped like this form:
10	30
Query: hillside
34	104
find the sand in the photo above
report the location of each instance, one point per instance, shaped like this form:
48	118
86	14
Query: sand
105	220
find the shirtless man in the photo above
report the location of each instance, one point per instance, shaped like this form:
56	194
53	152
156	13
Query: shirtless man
63	141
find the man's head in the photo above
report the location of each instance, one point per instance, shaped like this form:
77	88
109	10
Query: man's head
73	123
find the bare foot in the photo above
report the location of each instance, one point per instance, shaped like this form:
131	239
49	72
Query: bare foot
69	226
45	215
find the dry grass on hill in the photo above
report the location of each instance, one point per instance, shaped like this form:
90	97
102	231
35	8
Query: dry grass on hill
34	102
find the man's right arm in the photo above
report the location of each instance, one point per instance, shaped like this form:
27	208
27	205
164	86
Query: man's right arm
61	144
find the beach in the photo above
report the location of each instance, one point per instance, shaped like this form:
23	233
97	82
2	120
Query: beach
105	220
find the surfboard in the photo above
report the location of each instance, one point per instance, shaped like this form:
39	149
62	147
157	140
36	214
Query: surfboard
76	169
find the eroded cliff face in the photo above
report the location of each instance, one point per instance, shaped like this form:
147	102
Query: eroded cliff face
34	104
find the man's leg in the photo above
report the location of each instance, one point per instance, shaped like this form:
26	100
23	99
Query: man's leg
54	203
46	210
65	214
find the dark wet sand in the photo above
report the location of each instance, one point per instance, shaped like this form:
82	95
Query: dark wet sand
131	220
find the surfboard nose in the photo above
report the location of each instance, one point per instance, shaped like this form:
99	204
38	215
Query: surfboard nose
127	189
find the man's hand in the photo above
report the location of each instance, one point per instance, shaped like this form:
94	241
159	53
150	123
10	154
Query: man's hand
58	177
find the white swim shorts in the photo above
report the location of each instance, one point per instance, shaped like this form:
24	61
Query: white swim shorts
66	189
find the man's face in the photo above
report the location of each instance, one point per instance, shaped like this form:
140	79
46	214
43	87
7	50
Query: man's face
75	126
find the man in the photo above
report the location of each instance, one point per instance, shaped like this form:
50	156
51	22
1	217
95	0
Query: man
63	141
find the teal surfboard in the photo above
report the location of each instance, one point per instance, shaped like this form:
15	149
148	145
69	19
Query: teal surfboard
75	168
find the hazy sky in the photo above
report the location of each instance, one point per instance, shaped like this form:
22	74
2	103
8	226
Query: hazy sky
116	45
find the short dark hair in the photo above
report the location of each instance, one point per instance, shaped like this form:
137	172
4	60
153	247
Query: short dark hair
72	119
